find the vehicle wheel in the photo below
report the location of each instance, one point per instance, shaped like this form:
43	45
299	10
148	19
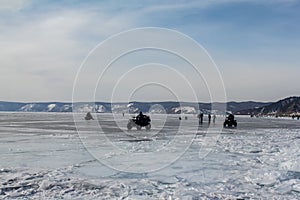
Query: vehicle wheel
235	124
148	127
138	127
129	126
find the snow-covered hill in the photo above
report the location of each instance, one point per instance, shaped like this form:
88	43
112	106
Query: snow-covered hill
287	106
168	107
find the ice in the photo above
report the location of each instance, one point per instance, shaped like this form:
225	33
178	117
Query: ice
296	187
285	187
43	157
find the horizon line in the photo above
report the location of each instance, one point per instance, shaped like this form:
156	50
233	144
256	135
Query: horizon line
137	101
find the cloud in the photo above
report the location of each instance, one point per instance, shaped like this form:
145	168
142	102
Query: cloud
42	51
259	81
44	42
13	5
177	6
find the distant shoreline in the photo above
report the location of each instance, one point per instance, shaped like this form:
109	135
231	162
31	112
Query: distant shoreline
286	107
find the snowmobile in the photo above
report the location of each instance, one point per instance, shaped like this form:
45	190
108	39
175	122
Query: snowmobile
230	121
139	122
88	116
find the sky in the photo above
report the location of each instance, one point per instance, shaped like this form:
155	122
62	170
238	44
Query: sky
255	45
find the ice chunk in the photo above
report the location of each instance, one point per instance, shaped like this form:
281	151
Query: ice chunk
296	188
284	188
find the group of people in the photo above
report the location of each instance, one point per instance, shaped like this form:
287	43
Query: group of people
296	116
200	116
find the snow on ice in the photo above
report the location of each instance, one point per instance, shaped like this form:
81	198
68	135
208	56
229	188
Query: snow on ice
43	157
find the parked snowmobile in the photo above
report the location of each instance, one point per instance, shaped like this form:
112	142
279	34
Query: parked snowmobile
139	121
88	116
230	121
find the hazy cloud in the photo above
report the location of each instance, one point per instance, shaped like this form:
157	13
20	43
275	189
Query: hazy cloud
13	5
44	42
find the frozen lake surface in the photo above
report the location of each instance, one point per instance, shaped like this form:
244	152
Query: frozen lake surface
48	156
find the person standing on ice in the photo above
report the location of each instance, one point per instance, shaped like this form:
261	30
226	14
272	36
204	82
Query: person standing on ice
200	116
209	118
214	118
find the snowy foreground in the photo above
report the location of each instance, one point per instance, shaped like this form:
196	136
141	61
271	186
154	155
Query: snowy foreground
48	156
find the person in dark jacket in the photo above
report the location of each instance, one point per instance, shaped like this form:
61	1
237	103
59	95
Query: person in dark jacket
200	116
140	116
230	117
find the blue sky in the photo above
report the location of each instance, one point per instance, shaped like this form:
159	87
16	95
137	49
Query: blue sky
255	44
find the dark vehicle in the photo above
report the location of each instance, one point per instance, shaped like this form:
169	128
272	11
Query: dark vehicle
88	116
230	121
139	122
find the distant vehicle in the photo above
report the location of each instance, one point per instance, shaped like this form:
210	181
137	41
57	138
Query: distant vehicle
230	121
139	122
88	116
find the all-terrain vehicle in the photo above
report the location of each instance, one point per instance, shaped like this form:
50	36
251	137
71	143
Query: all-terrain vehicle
230	121
139	122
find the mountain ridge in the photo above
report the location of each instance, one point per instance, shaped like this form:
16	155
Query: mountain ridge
284	107
168	107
